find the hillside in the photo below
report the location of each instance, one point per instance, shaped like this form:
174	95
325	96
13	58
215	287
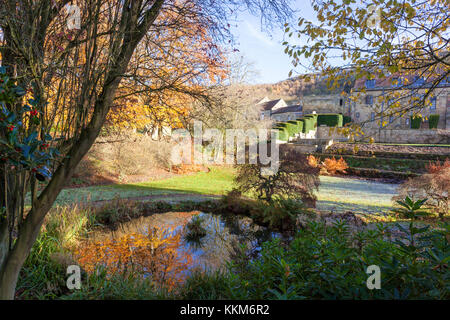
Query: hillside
293	89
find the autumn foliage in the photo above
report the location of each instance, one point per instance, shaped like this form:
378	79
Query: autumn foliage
329	165
168	76
334	166
156	253
433	185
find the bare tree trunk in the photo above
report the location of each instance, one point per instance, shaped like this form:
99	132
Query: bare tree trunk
13	259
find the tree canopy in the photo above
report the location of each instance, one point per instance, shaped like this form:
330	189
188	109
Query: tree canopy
405	43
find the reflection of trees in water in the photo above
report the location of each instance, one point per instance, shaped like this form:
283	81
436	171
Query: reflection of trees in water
228	236
217	244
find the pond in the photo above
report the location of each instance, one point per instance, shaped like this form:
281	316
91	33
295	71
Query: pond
223	236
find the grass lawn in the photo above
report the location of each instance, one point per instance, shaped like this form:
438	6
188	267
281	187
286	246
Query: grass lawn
218	181
335	194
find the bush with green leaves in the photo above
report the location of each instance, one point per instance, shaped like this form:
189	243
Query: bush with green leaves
416	122
330	119
433	121
330	262
22	146
195	230
300	124
282	133
292	126
346	119
310	123
281	214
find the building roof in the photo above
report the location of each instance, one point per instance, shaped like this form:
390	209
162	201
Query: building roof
293	108
392	82
270	104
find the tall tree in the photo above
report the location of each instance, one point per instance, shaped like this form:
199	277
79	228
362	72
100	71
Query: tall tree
74	75
393	41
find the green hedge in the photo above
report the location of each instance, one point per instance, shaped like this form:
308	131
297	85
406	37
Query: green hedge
292	127
280	124
282	133
330	119
433	121
415	122
310	123
300	124
345	120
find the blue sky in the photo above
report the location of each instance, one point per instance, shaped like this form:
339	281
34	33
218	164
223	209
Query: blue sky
264	47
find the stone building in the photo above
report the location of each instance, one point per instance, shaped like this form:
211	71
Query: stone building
278	110
379	93
267	106
327	103
287	113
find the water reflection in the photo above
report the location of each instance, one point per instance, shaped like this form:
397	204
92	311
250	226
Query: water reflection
158	244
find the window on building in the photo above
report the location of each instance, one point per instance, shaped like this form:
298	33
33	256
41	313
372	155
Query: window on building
341	102
372	116
262	115
391	119
407	122
369	99
357	115
370	84
433	103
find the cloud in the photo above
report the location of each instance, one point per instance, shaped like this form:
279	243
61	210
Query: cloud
263	38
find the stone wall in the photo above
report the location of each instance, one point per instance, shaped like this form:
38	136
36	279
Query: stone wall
406	136
392	135
363	112
323	132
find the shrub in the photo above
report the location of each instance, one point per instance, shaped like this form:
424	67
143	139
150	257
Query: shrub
330	119
43	275
120	156
433	121
117	211
282	133
415	122
281	125
292	128
294	177
346	119
300	124
102	286
433	185
334	166
202	285
330	262
188	168
281	214
194	230
310	123
313	161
